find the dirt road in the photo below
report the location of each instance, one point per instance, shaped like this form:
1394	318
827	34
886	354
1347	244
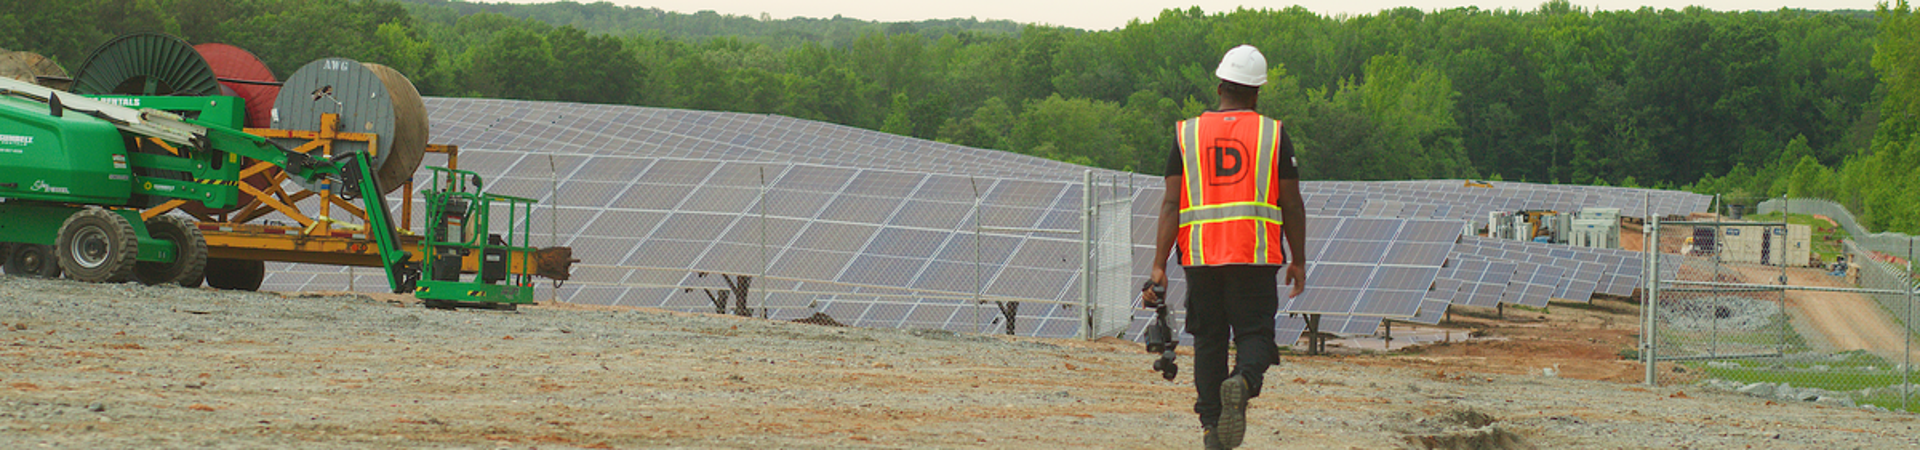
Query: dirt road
1843	321
128	366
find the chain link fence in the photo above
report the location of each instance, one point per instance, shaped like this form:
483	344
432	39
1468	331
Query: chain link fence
1109	233
1748	310
828	244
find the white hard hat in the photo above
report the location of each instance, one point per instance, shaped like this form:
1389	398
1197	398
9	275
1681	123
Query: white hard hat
1243	65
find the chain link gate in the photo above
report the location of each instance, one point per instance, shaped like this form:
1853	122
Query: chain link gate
1108	290
1702	309
1740	309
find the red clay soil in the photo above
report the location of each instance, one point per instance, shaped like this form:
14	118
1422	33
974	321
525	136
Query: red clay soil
1578	340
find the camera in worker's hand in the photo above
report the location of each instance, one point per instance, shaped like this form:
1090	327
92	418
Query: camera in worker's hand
1160	337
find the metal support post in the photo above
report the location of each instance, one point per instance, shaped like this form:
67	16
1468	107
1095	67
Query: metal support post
1389	336
978	284
1651	294
763	240
1786	233
553	210
1087	270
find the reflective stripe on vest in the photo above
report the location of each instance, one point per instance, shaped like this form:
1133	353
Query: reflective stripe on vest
1231	211
1228	212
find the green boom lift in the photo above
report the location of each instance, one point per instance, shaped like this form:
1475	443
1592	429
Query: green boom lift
70	177
87	179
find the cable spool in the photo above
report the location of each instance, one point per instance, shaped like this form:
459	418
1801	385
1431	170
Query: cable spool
370	98
255	84
247	77
148	64
32	68
145	64
409	129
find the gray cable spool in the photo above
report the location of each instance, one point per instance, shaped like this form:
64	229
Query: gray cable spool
370	98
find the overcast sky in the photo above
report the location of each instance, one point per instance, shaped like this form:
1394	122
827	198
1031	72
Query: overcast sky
1108	14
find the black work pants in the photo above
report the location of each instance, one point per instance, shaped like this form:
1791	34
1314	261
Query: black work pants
1230	305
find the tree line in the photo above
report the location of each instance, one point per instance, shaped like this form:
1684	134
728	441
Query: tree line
1751	104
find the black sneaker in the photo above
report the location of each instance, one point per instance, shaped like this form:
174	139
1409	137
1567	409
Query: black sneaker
1233	412
1212	441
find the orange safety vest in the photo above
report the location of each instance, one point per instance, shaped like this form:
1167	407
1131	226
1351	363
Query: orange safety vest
1229	205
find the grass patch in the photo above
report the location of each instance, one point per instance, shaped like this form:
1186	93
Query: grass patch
1802	376
1770	340
1616	308
1846	371
1779	335
1542	310
1889	400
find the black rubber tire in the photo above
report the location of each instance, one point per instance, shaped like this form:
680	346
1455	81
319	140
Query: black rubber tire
190	255
235	274
32	260
96	245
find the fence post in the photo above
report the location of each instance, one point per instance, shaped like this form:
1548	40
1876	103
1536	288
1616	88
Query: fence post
1786	217
763	243
979	285
1652	294
1087	271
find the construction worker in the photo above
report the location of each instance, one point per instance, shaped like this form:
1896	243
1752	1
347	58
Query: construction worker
1232	199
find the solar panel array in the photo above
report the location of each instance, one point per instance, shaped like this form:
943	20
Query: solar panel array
1453	199
1288	328
1375	267
587	129
868	246
877	230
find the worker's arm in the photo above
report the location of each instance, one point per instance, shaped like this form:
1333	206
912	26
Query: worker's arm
1294	212
1163	238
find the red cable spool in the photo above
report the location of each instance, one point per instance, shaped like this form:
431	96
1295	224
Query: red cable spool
234	63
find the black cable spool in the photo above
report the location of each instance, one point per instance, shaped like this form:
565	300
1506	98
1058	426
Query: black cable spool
145	64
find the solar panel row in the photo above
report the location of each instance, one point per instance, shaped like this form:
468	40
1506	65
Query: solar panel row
877	230
1452	199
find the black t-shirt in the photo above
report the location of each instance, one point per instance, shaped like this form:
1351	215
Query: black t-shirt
1286	167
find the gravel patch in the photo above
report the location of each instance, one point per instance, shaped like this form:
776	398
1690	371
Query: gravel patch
1725	313
130	366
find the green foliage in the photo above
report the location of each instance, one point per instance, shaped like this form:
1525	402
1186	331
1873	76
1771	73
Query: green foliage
1397	125
1749	104
601	17
64	44
1076	130
289	34
1890	201
515	63
899	120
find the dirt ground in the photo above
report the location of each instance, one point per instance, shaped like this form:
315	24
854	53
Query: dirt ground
1584	341
1836	321
128	366
1632	237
